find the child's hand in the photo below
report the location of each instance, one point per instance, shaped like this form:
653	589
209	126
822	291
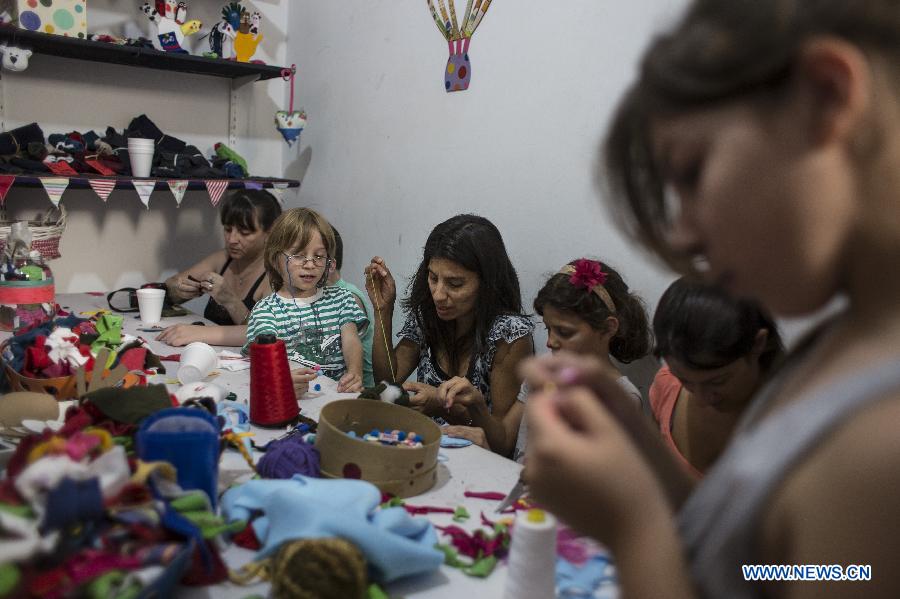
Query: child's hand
475	434
459	391
384	293
181	334
425	399
351	382
301	378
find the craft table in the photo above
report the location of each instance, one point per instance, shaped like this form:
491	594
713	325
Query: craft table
459	470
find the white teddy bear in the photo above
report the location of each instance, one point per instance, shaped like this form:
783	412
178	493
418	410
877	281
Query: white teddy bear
14	59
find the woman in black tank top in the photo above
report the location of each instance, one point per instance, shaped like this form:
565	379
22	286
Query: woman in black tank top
234	278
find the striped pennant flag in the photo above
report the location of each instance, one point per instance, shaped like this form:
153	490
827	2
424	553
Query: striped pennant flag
6	181
178	187
144	189
216	187
55	186
103	187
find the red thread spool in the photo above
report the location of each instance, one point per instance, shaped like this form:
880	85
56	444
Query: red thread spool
272	400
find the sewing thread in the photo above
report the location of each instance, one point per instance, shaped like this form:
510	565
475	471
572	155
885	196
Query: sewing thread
272	399
532	557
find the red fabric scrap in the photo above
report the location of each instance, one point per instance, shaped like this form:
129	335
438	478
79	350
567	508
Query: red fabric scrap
427	509
478	544
247	539
492	495
199	575
134	358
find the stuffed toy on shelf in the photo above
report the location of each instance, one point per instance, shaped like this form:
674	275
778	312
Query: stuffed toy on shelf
170	20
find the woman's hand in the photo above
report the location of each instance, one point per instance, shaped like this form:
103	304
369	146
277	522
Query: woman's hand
460	391
301	377
351	382
583	466
384	293
186	288
181	334
424	398
475	434
215	285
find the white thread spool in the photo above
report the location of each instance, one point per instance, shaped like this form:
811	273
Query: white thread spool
532	557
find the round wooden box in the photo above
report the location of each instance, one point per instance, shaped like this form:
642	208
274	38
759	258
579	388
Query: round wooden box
398	470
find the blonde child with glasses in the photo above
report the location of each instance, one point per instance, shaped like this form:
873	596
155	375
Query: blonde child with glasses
320	325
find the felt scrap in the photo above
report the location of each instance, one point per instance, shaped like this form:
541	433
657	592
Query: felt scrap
134	358
10	574
461	514
573	580
6	181
376	592
491	495
480	543
131	405
109	330
427	509
479	568
247	539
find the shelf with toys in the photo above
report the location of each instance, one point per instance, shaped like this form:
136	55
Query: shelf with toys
79	49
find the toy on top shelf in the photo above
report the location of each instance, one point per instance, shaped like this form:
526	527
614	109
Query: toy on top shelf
171	25
14	58
221	38
248	37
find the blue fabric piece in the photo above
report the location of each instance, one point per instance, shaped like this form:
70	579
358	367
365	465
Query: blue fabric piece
577	581
447	441
72	502
188	439
394	543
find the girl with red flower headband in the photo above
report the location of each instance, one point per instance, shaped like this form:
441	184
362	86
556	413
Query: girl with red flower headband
590	311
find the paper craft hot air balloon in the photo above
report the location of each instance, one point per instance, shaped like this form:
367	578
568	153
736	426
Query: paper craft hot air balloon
458	73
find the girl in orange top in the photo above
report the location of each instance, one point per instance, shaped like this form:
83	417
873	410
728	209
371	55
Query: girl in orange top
718	351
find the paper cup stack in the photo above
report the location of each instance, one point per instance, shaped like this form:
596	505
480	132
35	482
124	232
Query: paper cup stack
140	152
532	557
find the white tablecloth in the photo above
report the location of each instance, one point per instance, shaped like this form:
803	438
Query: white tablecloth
466	469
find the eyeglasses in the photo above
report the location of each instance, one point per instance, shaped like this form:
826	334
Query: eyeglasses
304	260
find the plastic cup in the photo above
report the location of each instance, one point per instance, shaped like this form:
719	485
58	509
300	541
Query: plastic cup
140	153
197	360
150	304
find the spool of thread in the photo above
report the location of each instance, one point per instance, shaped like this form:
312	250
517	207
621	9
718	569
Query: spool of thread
272	399
532	557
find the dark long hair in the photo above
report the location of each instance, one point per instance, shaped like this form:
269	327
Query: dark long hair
632	340
720	52
248	208
705	328
474	243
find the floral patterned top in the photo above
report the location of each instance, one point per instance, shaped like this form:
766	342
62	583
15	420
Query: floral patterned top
507	328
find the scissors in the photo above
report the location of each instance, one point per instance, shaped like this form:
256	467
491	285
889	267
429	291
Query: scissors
514	495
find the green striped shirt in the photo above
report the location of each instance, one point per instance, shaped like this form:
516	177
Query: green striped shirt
309	326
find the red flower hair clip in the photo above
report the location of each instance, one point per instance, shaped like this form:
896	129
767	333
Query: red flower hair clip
587	274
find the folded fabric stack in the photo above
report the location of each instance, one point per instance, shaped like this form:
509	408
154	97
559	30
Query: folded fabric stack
24	151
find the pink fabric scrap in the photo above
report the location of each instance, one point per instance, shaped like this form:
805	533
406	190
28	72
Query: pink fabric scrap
492	495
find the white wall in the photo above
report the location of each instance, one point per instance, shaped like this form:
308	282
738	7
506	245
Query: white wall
121	243
388	153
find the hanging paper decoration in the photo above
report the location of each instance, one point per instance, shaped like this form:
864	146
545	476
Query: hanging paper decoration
290	122
458	73
253	185
169	18
277	190
144	189
6	181
55	186
102	187
216	187
178	187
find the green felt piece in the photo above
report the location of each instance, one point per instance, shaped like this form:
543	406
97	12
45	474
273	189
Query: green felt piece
461	514
376	592
9	578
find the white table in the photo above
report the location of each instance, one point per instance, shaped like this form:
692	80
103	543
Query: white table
465	469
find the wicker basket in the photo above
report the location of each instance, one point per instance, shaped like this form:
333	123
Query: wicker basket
61	388
45	232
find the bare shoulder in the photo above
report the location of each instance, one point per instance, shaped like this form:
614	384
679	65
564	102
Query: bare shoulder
514	351
842	504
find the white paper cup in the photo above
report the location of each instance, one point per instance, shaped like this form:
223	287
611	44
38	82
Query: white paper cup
140	153
150	304
197	360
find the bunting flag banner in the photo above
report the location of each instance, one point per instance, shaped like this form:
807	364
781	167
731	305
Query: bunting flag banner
103	187
216	187
178	187
6	181
278	191
55	186
144	189
253	185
